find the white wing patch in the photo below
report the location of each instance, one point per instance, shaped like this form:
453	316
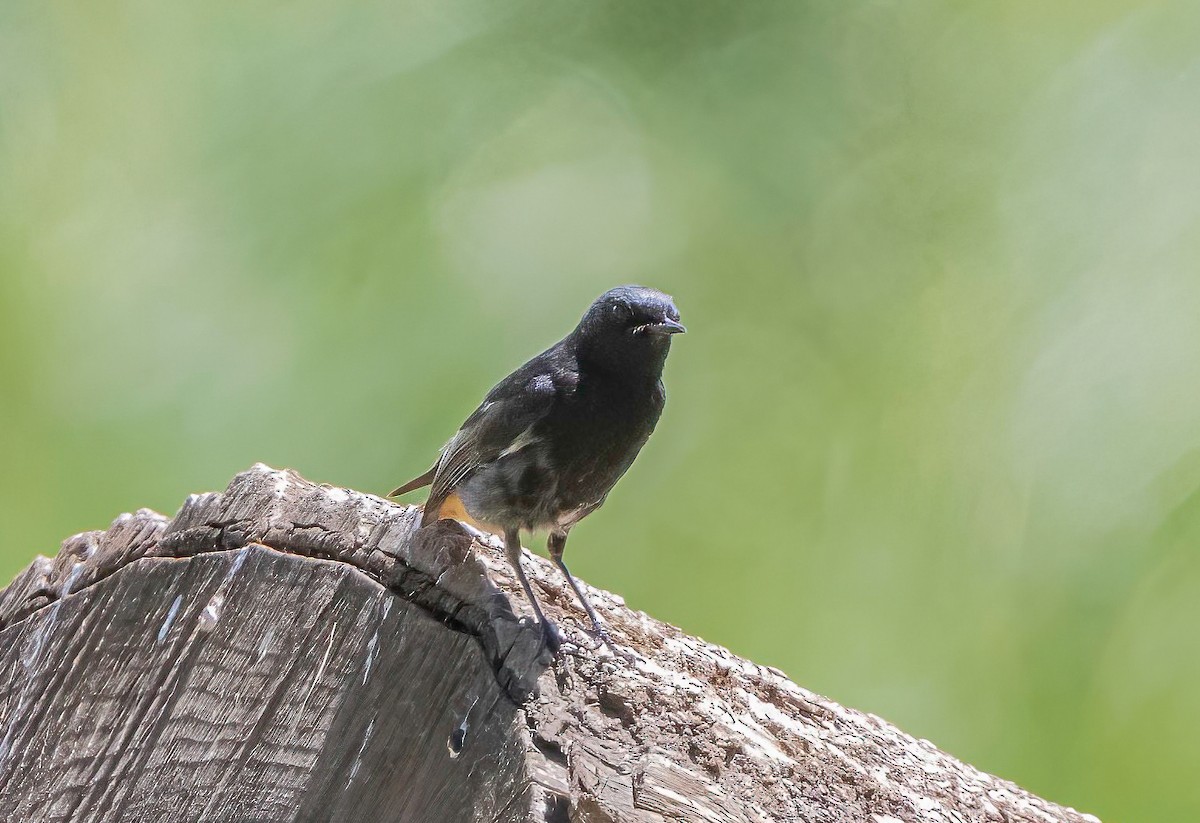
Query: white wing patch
525	438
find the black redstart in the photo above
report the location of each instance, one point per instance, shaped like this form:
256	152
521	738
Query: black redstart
549	441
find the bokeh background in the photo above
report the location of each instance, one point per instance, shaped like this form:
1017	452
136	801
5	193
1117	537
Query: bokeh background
933	441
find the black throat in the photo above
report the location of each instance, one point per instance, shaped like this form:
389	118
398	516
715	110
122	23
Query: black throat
623	355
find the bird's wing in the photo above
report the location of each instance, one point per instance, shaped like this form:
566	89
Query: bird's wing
415	483
501	424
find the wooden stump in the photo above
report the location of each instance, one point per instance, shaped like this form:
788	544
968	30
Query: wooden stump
285	651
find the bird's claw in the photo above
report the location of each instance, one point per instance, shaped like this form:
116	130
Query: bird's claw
603	638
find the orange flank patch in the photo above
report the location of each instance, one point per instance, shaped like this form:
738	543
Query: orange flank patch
453	508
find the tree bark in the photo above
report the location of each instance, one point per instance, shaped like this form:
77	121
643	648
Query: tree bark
285	651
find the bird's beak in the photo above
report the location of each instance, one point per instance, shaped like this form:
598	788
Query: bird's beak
667	326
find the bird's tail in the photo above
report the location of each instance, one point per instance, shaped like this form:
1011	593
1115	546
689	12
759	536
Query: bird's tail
415	483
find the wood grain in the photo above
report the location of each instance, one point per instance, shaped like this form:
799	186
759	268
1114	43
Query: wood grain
285	651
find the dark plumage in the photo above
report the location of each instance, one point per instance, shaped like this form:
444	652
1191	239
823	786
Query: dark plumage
549	441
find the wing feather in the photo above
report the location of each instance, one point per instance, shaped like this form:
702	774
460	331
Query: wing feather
502	423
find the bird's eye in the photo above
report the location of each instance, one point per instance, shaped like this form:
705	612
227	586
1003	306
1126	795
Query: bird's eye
621	313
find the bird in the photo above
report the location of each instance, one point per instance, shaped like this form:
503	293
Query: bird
549	441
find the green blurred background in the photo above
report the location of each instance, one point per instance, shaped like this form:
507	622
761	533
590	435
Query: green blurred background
933	440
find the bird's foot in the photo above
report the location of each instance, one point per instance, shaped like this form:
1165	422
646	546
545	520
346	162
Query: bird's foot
603	638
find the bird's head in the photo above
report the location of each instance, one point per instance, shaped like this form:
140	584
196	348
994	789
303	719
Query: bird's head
629	328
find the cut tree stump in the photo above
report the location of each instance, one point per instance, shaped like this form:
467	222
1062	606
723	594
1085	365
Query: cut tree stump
285	651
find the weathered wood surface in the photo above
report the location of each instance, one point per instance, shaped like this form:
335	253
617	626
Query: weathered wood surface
284	651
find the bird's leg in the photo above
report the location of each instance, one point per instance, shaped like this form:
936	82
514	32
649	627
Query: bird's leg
512	548
555	546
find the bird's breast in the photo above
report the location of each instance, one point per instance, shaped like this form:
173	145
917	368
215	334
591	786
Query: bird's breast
563	467
603	430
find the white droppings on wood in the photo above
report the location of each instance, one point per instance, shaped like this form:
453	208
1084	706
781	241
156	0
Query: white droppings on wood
385	606
279	476
31	652
312	684
68	586
171	612
264	645
362	747
199	499
239	560
210	615
31	661
372	650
